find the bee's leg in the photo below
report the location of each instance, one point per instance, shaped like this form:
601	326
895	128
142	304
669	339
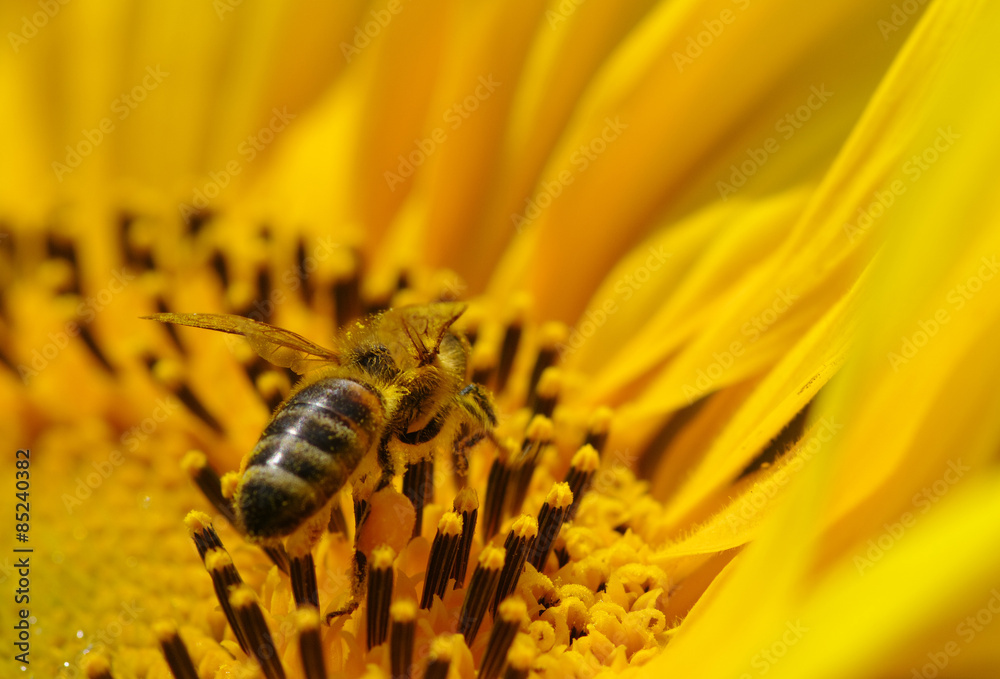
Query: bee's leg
359	580
359	569
476	404
357	589
385	463
362	509
460	454
338	521
465	440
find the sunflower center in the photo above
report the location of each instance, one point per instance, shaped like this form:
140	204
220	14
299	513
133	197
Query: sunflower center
506	551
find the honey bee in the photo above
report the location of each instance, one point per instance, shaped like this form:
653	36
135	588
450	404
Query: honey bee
394	385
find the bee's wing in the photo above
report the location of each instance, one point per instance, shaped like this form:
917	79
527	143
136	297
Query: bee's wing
280	347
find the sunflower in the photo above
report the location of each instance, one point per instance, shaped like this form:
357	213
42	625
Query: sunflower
728	268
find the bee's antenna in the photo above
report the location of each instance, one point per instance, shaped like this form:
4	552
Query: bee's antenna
423	355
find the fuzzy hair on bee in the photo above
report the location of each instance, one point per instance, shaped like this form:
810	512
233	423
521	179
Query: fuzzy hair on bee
394	386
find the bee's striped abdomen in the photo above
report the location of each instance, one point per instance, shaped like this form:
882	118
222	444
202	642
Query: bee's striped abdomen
307	452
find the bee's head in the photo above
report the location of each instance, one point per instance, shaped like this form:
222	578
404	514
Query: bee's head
420	330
